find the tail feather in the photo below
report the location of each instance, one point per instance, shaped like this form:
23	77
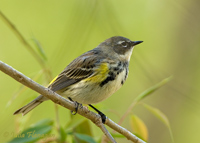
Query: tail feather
30	106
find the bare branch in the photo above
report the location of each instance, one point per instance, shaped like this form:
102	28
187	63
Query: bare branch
95	118
123	131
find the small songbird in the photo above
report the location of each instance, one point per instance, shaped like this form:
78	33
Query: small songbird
93	76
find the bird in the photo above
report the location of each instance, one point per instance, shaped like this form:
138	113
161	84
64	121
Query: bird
93	76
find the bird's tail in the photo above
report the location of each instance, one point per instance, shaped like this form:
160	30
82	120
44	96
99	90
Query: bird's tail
30	106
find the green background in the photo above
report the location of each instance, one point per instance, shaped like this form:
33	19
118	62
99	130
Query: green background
65	29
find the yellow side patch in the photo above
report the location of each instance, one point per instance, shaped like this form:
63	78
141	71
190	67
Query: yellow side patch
101	74
53	80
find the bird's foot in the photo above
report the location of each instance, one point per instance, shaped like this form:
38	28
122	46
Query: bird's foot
103	116
76	106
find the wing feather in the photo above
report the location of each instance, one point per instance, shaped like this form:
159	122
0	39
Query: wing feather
80	68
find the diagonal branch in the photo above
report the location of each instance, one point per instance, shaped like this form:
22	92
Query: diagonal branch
95	118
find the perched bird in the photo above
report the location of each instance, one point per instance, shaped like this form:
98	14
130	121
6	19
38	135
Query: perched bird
93	76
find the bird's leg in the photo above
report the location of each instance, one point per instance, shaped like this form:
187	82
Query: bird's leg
103	116
76	106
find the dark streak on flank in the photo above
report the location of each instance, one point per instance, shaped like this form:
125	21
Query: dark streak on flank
115	72
111	77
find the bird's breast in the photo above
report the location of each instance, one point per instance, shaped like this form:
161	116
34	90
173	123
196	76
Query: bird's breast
117	73
88	92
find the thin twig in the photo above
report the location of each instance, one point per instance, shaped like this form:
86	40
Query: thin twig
127	112
95	118
26	45
57	118
121	120
106	133
22	39
123	131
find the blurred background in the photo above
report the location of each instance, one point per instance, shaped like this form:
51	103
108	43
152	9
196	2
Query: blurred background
60	31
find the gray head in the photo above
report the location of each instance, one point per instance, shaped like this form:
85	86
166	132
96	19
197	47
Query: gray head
121	45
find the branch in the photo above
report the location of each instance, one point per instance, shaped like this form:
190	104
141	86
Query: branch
95	118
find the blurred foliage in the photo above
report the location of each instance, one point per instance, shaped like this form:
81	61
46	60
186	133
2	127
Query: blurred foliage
40	130
80	129
59	31
161	116
139	127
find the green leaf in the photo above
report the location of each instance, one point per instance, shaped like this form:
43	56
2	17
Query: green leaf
161	116
139	127
84	128
39	48
152	89
75	121
43	122
34	133
62	135
85	138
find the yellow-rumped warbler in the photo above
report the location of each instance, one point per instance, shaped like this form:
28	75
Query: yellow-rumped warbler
93	76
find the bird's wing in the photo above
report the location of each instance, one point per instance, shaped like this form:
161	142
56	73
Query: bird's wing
80	68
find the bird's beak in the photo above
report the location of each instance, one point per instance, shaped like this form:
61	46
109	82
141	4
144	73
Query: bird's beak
136	42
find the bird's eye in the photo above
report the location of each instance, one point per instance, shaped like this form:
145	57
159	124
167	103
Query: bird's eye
124	44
